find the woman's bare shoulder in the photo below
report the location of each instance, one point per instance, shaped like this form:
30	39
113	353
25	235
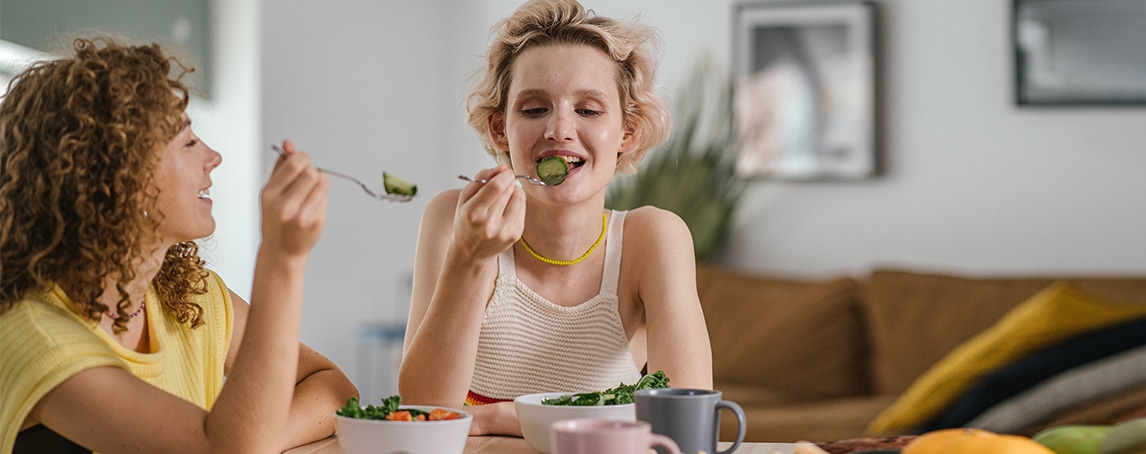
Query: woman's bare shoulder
656	239
659	257
445	200
440	209
654	224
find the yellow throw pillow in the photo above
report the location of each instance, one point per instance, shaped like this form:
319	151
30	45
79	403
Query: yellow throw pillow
1055	313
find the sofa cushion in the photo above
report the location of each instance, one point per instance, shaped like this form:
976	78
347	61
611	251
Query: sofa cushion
817	421
1082	387
1110	409
915	318
1058	312
1027	372
801	338
748	394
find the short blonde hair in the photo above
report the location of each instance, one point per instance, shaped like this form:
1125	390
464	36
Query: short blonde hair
554	22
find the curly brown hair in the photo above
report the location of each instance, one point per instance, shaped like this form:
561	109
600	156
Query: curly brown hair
79	143
539	23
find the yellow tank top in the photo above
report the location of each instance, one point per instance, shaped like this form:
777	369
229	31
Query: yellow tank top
43	341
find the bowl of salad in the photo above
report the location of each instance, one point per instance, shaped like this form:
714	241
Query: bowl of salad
537	412
395	428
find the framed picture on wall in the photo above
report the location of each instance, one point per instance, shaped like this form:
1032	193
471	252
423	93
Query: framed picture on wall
805	95
184	26
1079	52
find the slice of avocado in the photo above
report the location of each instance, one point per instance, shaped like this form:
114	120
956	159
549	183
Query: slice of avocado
398	186
552	170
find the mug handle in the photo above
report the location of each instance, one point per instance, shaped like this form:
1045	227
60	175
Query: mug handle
664	442
741	423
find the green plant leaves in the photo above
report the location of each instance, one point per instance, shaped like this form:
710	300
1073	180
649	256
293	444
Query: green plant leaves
693	173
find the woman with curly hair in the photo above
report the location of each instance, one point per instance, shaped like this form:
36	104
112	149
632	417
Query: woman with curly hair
523	289
113	335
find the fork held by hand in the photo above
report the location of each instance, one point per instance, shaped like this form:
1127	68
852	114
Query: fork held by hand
376	195
527	178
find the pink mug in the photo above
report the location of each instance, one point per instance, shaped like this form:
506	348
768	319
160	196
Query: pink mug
602	436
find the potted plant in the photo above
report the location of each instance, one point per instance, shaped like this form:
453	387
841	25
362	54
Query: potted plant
693	173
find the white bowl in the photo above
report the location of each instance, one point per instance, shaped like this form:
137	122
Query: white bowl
536	418
361	436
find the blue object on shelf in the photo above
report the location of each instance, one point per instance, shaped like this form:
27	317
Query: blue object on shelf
379	356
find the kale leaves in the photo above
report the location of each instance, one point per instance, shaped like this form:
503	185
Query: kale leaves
622	394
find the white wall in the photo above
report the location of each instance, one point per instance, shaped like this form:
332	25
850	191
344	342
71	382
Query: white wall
229	122
974	184
365	87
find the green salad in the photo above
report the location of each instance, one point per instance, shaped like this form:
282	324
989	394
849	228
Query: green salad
390	410
622	394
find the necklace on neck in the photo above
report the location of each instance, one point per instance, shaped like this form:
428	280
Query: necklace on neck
569	262
115	316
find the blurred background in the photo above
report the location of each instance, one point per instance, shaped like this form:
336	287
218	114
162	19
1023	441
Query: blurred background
970	182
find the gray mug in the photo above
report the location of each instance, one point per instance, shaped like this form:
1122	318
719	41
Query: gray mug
691	417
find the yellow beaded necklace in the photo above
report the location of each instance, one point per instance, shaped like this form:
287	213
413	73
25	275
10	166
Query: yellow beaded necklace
569	262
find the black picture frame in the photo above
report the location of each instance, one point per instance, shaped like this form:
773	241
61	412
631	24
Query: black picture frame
1079	52
806	90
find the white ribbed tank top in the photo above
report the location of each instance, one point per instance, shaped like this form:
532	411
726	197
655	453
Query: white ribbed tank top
531	345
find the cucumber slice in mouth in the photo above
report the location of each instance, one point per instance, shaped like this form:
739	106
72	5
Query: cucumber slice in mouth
552	170
398	186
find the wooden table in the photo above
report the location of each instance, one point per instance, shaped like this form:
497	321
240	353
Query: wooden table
512	445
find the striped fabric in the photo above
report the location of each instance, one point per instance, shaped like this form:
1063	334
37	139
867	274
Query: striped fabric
530	345
475	399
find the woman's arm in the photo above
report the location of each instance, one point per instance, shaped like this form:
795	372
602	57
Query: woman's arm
454	271
320	387
107	409
664	264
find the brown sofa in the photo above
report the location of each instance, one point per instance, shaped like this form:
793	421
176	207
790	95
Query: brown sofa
818	359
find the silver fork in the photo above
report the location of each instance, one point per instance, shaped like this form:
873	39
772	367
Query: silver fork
527	178
376	195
